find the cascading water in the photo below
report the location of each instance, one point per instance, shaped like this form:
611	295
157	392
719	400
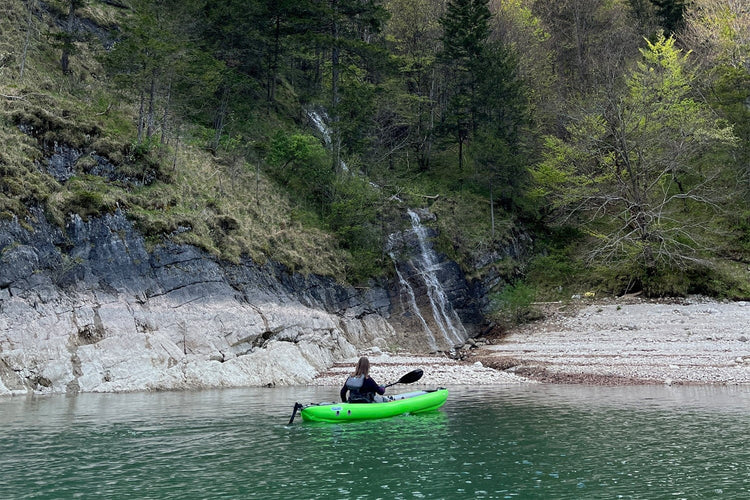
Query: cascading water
420	271
319	120
421	292
446	318
321	126
412	305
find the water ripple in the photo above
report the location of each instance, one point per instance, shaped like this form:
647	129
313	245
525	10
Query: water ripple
513	442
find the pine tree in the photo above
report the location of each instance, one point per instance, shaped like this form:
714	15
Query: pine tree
465	32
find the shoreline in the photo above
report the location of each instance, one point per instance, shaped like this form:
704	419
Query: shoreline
619	341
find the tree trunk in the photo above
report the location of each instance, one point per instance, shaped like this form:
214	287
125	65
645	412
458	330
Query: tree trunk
65	60
68	40
460	153
257	184
26	43
335	129
579	34
274	63
431	128
151	105
141	117
176	149
165	117
492	211
220	119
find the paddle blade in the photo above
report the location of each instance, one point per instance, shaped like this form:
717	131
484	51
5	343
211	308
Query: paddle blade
297	406
411	377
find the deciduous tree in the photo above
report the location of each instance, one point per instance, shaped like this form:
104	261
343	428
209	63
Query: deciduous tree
639	173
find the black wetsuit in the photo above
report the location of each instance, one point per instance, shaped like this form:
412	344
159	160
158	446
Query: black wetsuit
360	391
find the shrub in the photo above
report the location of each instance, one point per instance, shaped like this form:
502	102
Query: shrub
513	305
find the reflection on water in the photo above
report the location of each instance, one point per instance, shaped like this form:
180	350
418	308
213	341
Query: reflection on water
535	441
412	428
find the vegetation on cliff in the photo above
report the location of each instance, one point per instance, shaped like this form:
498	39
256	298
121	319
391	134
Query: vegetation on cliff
614	135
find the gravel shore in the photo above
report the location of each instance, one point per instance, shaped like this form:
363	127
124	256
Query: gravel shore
608	342
438	371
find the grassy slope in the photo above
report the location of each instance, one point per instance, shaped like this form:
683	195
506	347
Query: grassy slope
229	209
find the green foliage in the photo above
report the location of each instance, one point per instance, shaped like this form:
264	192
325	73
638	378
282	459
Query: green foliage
301	163
642	179
556	269
79	199
471	241
356	108
353	216
199	107
670	13
503	139
513	305
465	32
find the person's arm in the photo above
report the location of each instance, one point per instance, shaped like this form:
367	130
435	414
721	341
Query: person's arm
343	394
374	387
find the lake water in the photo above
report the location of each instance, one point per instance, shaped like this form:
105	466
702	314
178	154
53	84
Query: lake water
535	441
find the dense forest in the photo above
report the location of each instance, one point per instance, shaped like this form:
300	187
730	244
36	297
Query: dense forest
612	137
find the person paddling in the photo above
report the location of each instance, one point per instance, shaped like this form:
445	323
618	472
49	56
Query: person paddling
360	385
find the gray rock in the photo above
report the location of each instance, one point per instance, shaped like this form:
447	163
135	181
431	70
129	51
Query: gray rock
88	308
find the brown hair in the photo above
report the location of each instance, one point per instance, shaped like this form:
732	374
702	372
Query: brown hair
363	367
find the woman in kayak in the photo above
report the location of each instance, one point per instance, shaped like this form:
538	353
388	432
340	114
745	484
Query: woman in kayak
360	386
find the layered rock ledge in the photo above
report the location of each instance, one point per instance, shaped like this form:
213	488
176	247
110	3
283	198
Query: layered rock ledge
89	308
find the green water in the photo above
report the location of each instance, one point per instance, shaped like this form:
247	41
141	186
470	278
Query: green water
501	442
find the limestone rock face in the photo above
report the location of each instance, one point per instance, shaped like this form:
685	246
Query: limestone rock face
88	308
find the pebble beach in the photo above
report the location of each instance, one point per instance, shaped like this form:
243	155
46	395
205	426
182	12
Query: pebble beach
618	341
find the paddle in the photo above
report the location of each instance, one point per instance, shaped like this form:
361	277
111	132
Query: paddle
409	378
297	406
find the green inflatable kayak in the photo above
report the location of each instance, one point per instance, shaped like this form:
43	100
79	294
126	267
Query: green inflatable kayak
410	402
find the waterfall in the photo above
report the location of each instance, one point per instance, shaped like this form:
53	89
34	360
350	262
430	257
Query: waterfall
442	311
437	318
415	308
319	120
422	293
321	126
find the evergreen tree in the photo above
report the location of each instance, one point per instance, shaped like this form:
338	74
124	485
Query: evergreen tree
408	113
465	32
503	132
670	13
67	39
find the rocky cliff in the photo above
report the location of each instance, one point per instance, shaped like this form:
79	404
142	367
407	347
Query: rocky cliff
89	308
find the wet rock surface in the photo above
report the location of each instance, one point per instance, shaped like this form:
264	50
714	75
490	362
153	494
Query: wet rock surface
433	294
